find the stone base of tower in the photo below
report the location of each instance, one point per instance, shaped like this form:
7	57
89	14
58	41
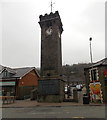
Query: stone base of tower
51	90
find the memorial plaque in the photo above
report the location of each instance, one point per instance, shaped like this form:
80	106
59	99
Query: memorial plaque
49	87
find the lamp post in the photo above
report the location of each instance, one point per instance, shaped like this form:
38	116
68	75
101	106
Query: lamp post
91	50
94	96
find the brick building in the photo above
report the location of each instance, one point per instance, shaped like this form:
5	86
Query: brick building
18	82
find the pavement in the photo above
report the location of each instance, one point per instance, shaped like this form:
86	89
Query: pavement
34	103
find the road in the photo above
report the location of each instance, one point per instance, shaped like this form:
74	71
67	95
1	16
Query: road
55	112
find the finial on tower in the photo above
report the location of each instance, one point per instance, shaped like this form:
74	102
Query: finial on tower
51	5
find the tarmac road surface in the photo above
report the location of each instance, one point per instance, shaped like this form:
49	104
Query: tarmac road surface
55	112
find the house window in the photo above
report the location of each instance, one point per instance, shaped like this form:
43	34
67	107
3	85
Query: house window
93	75
105	79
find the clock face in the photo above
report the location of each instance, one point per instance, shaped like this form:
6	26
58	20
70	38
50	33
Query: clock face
49	31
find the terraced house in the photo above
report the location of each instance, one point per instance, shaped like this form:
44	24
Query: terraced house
96	81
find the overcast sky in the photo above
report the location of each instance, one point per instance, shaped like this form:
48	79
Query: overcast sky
20	32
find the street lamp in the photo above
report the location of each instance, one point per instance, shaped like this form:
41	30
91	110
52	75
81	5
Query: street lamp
92	67
91	49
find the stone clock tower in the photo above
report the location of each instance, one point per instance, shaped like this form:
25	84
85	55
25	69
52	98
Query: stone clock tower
51	86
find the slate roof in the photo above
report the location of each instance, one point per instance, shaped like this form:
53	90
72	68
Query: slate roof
20	72
16	73
102	62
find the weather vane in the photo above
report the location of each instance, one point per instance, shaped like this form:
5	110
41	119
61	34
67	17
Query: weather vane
51	5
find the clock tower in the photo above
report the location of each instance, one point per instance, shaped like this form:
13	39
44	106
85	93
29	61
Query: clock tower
51	30
51	85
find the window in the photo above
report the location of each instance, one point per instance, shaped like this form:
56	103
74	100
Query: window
105	79
93	74
49	24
